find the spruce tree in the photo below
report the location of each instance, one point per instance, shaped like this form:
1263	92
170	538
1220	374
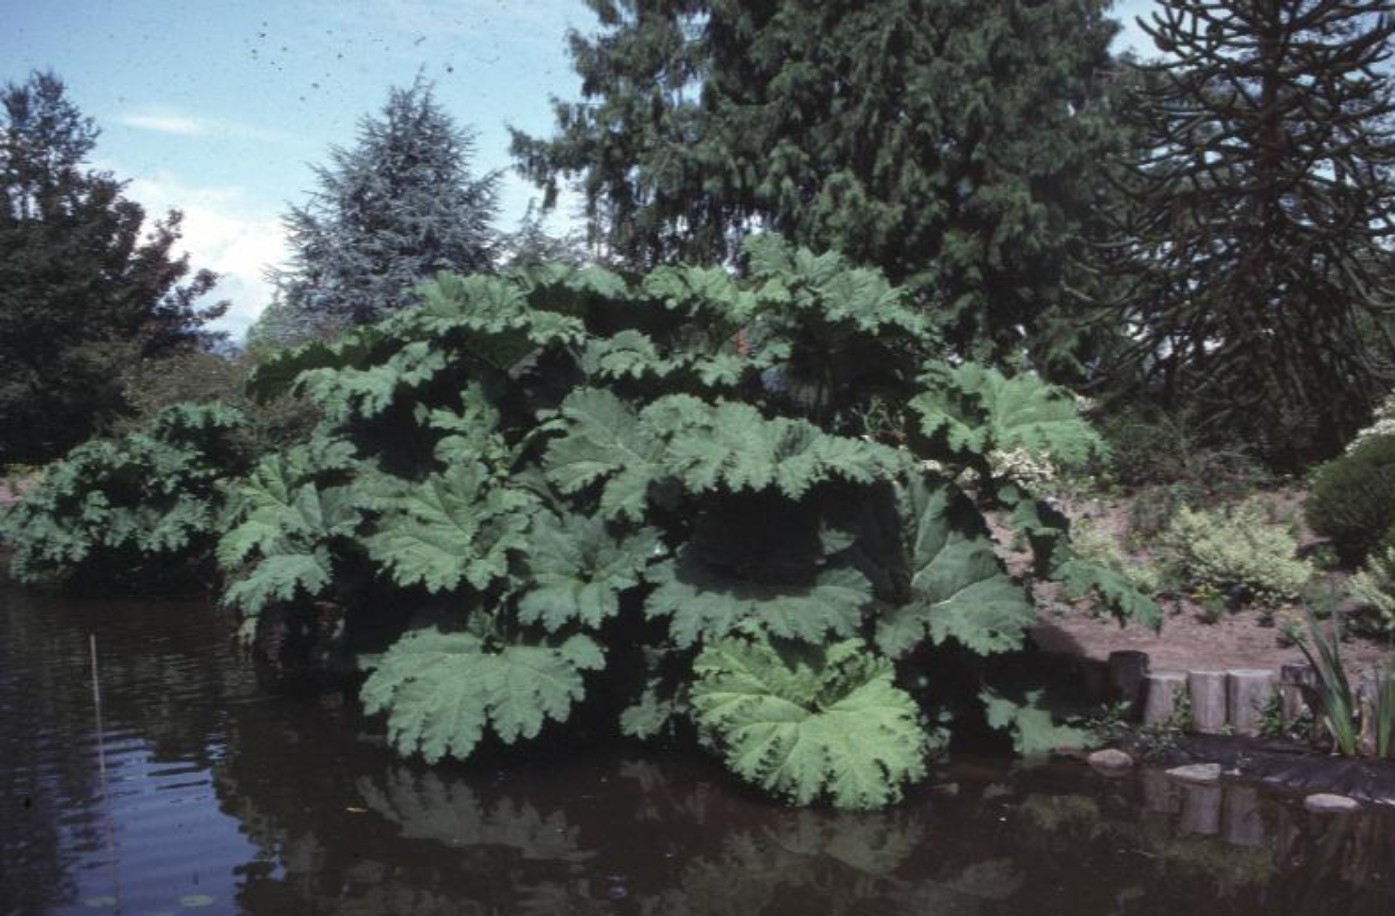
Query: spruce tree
83	292
1257	242
388	213
948	143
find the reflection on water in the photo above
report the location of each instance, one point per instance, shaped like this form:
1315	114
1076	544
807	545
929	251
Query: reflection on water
221	798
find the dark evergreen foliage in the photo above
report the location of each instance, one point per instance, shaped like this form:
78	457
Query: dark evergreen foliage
82	292
389	213
1353	499
950	144
1257	245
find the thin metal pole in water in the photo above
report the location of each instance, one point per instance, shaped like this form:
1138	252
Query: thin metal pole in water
102	769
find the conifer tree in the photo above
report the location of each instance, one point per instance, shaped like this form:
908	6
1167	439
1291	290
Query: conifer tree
389	213
1257	242
83	292
947	142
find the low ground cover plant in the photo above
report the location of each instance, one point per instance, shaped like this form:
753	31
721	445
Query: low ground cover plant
1236	551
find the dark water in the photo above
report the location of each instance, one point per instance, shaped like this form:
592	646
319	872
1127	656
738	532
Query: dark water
220	798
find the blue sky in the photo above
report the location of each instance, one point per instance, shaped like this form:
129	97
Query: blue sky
220	109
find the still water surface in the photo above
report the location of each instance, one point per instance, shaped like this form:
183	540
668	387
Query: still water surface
223	798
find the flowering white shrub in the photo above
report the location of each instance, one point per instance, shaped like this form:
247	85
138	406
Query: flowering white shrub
1383	424
1036	474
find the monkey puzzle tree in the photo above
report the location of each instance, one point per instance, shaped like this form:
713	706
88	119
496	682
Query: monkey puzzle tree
1257	242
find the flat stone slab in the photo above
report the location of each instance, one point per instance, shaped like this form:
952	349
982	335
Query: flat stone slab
1201	773
1109	758
1327	803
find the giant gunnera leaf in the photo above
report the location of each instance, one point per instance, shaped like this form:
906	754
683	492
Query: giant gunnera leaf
958	587
731	445
976	409
451	527
604	442
579	569
810	723
702	603
442	690
1032	729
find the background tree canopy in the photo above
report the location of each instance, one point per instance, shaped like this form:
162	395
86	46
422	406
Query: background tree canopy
82	292
389	213
948	143
1256	246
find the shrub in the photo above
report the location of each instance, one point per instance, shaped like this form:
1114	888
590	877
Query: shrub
551	486
1154	508
1382	424
1097	546
1373	587
209	378
134	511
1222	551
1353	499
1151	447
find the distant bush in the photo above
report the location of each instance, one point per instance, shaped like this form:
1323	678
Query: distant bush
133	511
1374	589
1151	447
1352	500
206	378
1096	546
1154	508
1237	549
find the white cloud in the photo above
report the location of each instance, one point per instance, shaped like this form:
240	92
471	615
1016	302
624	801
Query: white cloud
225	232
168	121
165	123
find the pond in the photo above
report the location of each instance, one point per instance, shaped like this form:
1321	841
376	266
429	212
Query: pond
204	793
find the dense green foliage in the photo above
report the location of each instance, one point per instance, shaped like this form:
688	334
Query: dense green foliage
389	212
82	293
951	144
709	495
1352	500
1373	589
1237	548
802	724
134	512
1255	253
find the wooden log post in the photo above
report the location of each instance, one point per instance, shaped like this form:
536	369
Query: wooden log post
1247	692
1243	825
1161	693
1366	689
1094	679
1298	684
1201	809
1127	669
1207	692
1160	794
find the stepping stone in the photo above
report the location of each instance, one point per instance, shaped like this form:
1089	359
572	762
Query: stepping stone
1110	759
1203	773
1326	803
